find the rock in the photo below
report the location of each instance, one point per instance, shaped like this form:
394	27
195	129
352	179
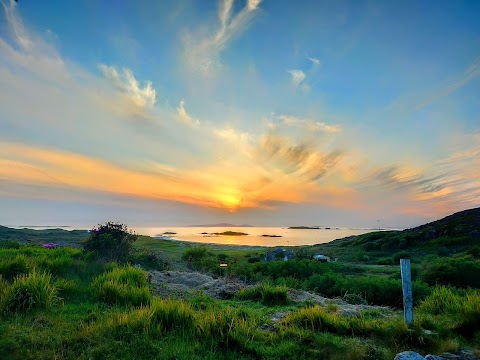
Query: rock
266	327
409	355
450	356
433	357
467	354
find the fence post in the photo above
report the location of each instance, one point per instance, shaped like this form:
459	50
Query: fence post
407	290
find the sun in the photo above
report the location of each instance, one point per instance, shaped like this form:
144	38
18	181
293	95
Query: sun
230	200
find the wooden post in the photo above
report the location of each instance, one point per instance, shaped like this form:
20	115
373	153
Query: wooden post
407	290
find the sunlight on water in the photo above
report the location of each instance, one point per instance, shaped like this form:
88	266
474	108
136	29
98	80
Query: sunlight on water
293	237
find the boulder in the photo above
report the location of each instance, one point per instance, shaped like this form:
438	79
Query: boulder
409	355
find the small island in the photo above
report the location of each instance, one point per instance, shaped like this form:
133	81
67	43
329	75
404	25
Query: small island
169	233
273	236
230	233
304	227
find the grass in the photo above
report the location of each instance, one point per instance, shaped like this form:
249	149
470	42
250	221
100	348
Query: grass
63	304
125	285
28	292
266	294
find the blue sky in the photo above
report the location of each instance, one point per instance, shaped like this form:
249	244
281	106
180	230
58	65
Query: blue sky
268	112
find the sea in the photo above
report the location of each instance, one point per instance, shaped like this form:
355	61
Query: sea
256	236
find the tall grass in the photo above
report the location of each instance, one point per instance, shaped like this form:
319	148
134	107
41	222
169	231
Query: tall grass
126	285
460	307
28	292
265	293
14	266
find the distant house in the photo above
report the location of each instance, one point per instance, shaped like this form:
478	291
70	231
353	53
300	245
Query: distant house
278	254
322	258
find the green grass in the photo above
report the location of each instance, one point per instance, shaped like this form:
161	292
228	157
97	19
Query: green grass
266	294
93	310
125	285
28	292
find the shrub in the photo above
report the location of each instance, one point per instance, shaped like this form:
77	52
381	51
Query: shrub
150	259
27	292
474	251
456	271
199	259
110	241
122	286
254	259
400	255
195	254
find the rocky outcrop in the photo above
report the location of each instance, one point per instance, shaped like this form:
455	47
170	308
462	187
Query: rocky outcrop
183	283
464	354
409	355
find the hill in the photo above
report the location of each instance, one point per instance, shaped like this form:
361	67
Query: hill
456	233
60	236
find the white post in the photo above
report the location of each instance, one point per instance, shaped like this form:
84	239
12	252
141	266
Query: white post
407	290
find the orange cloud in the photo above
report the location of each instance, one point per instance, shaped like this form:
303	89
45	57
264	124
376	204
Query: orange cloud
225	185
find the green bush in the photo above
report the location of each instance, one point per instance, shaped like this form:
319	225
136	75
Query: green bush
195	254
199	259
110	241
150	259
127	285
400	255
28	292
474	251
457	271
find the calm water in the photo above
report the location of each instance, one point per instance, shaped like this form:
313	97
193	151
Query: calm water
292	237
254	238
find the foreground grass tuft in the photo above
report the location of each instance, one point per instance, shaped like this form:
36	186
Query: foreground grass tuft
28	292
267	294
125	285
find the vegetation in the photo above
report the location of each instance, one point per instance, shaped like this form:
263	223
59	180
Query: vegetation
231	233
127	285
66	303
266	294
110	241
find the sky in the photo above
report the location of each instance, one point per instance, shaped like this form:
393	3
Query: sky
271	113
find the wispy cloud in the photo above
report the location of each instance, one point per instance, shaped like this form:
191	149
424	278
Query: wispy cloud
125	82
203	52
301	159
418	100
314	60
184	117
15	24
309	124
447	185
298	77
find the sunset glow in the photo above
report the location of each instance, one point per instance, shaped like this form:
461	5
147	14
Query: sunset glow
187	111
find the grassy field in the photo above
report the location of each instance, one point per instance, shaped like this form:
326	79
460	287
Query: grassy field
66	304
